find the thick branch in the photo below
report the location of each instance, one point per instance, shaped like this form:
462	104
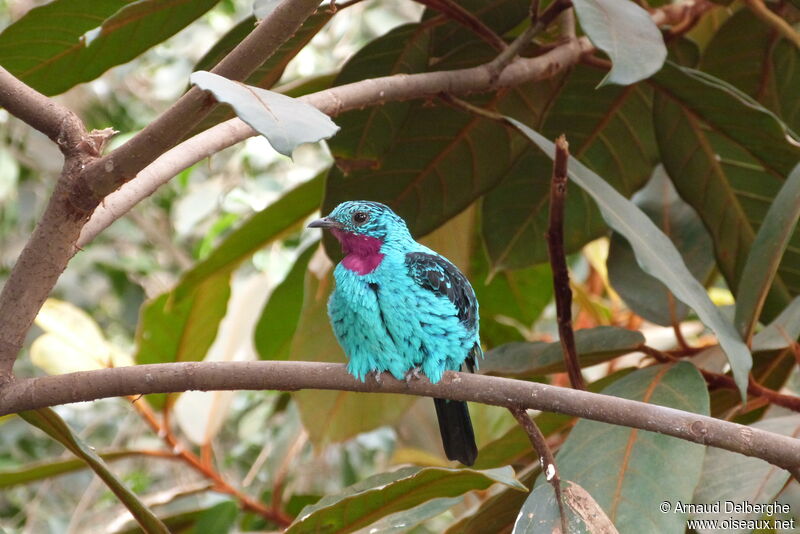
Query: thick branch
28	394
108	173
46	115
86	179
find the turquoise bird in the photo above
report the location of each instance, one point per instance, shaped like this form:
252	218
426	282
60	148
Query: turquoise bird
400	307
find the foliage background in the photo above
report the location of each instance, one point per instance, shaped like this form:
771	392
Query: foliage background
470	187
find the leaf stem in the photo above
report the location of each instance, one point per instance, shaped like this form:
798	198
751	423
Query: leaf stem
546	458
558	263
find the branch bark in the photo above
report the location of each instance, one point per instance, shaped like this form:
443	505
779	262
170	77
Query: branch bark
32	393
558	263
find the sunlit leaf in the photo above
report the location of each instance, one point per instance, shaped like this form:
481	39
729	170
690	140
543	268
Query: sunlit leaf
179	331
656	254
67	42
260	229
53	468
629	472
625	32
362	504
278	321
72	341
284	121
50	423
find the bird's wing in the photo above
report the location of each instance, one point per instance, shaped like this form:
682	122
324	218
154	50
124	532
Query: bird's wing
436	274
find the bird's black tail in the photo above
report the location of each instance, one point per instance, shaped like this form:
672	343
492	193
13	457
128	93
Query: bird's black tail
455	425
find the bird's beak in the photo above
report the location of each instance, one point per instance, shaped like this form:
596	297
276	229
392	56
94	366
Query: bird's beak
325	222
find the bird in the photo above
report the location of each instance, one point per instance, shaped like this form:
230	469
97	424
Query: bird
400	307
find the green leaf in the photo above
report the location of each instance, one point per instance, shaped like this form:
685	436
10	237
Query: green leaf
178	331
262	228
609	130
362	504
52	468
732	113
630	472
541	512
625	32
782	331
499	512
51	424
753	57
286	122
499	15
218	519
66	42
367	134
765	254
727	185
731	477
657	256
332	416
511	300
593	345
428	178
646	295
515	445
270	71
278	321
406	520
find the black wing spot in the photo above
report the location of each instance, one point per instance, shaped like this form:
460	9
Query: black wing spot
376	289
435	273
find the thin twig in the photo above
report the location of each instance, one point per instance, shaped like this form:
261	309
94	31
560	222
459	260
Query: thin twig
546	458
538	25
457	13
760	10
716	380
220	484
558	262
32	393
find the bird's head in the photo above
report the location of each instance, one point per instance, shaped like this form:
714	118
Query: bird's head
358	219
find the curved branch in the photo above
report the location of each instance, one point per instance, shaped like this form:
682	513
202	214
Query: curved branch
333	101
58	123
111	171
32	393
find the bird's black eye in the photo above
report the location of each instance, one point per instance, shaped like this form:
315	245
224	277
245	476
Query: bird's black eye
360	217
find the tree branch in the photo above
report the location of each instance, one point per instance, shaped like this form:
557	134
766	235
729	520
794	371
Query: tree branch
356	95
558	262
58	123
32	393
86	179
111	171
760	10
546	459
332	101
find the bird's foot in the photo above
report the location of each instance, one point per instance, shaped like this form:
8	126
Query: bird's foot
375	374
412	374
